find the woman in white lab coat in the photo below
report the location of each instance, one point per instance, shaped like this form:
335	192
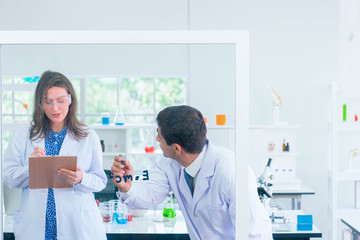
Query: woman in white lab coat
61	213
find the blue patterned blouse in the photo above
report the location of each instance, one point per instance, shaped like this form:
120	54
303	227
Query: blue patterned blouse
53	144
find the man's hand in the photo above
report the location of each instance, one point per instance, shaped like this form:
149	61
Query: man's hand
121	168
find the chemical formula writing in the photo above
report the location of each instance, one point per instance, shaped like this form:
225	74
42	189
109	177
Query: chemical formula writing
130	177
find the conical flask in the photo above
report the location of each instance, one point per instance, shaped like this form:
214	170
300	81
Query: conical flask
119	117
169	209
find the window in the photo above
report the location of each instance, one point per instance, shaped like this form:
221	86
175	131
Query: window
140	99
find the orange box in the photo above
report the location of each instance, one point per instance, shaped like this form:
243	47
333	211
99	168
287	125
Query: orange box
220	119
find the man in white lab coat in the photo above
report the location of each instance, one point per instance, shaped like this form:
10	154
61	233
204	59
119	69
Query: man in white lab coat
201	175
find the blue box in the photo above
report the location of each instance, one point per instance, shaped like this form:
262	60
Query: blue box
304	222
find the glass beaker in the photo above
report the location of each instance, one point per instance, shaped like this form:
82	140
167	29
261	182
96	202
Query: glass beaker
119	117
104	208
105	118
114	210
169	209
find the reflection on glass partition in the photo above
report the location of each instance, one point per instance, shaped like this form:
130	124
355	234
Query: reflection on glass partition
139	80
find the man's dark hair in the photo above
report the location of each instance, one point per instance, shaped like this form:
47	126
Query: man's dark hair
183	125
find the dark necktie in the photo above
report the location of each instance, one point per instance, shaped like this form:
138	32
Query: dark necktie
190	182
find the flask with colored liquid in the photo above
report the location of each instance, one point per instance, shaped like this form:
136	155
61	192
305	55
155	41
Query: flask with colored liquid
169	209
119	117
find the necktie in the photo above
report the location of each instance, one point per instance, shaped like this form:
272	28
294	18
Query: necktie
190	182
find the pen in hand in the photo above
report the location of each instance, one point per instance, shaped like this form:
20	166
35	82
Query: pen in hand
122	159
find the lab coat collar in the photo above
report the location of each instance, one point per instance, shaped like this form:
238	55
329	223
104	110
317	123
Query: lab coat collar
68	144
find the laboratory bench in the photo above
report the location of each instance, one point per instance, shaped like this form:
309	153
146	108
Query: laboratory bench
153	226
294	194
353	222
288	229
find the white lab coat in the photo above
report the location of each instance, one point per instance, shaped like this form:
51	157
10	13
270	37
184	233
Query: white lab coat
77	214
210	213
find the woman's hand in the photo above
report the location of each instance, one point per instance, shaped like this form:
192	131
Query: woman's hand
121	168
72	177
38	152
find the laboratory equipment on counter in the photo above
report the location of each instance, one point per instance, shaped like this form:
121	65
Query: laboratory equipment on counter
105	118
119	212
104	208
264	185
169	209
277	104
149	149
119	117
354	155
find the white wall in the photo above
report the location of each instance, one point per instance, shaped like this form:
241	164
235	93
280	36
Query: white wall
93	15
128	60
293	47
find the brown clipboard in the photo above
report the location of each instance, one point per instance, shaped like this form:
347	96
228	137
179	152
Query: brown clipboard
43	171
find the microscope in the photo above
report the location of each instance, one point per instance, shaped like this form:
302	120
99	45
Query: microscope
264	186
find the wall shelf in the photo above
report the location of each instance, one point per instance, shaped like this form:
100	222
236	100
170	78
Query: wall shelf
348	126
336	127
125	126
273	126
282	154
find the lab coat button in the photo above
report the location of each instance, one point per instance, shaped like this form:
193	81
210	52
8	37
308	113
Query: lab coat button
195	215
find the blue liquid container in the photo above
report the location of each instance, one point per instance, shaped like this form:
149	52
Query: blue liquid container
105	120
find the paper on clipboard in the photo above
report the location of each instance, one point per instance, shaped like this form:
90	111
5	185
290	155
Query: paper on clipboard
43	171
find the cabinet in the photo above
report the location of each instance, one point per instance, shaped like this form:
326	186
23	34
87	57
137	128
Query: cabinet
344	180
266	141
130	141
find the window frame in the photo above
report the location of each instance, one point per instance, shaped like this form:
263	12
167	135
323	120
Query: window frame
239	38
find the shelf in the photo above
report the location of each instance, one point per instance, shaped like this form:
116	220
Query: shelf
221	127
273	126
348	126
139	152
112	153
125	126
349	175
282	154
106	154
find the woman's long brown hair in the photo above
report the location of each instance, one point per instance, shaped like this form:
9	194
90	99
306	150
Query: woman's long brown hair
40	121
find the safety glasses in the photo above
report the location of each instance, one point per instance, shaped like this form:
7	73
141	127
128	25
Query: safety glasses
60	102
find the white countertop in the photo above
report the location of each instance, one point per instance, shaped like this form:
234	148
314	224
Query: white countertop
304	189
352	221
291	224
151	222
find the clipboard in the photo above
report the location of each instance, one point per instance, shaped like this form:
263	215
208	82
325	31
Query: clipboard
43	171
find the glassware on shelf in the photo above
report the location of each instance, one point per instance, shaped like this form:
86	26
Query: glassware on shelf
169	209
119	117
105	118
